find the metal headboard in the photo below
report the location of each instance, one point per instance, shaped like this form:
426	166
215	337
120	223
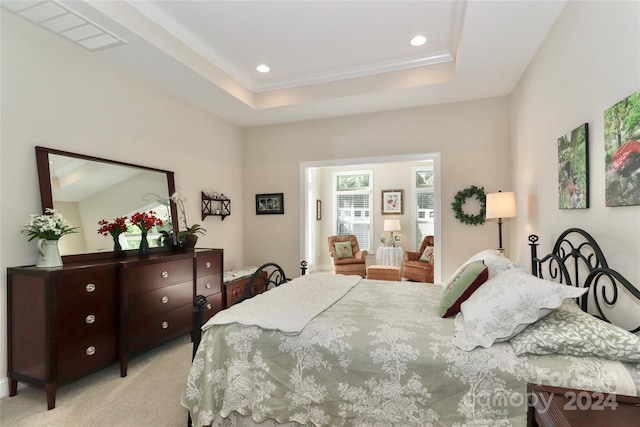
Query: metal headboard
576	254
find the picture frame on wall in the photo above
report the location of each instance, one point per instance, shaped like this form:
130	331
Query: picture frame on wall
573	169
268	204
622	152
392	202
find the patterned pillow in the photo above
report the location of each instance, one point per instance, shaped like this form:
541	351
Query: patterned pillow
427	255
493	259
343	250
505	305
569	330
470	278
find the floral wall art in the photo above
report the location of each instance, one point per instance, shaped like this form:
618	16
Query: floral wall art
622	152
573	169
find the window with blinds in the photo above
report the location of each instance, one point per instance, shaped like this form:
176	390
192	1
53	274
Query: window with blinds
425	209
353	196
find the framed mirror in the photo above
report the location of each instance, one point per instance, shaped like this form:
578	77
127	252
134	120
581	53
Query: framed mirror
86	189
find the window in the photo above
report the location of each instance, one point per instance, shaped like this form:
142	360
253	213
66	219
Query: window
353	196
425	208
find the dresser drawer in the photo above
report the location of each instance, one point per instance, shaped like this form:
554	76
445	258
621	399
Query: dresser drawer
91	287
81	321
214	305
80	357
164	326
209	284
208	263
153	276
158	301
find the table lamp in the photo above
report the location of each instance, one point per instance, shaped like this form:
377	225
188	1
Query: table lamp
501	205
392	225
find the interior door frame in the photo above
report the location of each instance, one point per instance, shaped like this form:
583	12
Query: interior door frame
307	207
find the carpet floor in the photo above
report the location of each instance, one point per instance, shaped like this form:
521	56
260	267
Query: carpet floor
148	396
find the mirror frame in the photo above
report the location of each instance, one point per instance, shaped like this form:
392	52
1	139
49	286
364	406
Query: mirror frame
46	196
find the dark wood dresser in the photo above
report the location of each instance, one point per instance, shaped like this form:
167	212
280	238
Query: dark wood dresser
67	322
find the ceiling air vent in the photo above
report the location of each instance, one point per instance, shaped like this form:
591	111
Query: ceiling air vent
61	20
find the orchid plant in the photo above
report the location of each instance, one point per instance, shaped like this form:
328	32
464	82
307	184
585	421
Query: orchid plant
179	200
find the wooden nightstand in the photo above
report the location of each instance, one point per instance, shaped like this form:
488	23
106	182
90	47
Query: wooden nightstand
558	406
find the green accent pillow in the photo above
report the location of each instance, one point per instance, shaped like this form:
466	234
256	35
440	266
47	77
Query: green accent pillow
427	255
462	286
343	250
569	330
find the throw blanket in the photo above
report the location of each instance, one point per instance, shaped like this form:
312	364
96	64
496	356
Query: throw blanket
289	307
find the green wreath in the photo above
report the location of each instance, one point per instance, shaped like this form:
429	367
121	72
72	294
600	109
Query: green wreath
461	198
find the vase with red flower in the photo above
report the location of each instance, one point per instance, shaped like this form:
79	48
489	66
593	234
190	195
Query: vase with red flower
114	228
145	221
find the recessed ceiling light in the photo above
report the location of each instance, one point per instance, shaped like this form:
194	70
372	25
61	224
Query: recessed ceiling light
263	68
418	40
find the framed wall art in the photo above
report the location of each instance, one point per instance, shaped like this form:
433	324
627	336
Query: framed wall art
573	169
622	152
392	202
267	204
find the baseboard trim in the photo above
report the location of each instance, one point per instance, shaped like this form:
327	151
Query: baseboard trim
4	387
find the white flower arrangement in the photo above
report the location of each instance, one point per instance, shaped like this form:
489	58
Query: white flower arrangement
50	226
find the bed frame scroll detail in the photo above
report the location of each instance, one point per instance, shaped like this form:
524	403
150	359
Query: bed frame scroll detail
576	253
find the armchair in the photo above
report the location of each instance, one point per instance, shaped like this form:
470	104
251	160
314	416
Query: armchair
357	264
416	270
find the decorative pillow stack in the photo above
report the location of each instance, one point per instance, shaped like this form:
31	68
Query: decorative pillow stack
343	250
504	305
458	290
569	330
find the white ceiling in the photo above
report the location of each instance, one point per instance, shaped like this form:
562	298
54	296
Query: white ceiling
328	58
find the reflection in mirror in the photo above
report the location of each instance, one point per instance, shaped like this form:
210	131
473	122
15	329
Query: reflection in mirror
86	190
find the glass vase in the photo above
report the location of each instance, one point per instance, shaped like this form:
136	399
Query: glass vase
143	250
116	243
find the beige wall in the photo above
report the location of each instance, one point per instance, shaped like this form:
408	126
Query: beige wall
58	95
472	137
589	61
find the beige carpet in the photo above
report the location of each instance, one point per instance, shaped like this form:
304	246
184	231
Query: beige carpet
148	396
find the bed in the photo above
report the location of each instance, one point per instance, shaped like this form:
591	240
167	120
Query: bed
325	350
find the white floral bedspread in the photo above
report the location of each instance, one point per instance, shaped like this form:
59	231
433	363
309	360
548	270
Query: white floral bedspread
380	356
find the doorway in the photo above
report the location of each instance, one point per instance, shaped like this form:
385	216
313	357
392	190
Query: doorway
319	213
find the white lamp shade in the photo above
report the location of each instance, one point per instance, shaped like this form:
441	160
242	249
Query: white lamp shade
391	225
501	205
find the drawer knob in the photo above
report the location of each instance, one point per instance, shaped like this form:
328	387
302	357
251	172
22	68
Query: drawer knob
90	351
90	287
207	264
164	274
90	319
208	306
165	325
164	299
208	286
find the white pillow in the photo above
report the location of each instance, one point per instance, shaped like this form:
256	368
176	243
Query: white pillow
495	261
504	305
